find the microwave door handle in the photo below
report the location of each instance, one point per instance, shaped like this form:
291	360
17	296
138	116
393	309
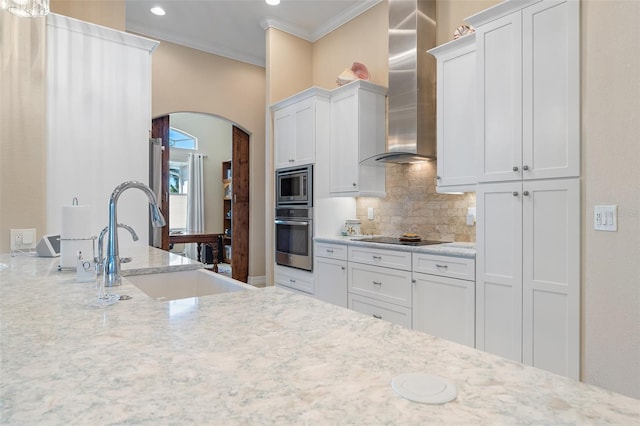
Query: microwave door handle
292	222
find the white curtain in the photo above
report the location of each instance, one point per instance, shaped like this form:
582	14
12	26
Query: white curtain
195	200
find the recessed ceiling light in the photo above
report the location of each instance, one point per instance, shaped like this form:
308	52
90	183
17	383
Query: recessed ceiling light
157	10
273	2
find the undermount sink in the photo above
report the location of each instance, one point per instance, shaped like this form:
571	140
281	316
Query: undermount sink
168	286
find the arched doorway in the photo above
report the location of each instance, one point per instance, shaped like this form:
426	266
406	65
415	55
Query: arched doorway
225	148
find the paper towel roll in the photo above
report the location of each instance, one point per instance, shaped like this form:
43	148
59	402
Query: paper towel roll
75	235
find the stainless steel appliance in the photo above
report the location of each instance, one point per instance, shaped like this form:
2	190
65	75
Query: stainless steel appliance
294	237
294	186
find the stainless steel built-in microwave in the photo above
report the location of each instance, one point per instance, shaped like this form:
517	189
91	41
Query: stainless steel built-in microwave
294	186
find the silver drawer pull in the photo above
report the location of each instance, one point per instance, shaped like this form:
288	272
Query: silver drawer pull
343	268
329	251
377	282
377	257
441	266
377	316
291	280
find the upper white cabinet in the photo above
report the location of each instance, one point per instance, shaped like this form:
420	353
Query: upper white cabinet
299	124
456	75
358	131
528	90
528	273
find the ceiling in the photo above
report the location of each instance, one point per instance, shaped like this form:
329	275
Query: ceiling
236	28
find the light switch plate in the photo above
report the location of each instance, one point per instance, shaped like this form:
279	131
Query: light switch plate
605	218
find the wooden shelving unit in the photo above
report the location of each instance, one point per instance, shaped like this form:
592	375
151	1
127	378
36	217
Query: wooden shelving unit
227	210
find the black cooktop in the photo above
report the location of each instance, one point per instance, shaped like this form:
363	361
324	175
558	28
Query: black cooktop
392	240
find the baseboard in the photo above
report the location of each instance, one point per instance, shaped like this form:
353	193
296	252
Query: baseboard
260	281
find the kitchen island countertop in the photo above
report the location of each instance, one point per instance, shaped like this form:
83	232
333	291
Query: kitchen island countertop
267	356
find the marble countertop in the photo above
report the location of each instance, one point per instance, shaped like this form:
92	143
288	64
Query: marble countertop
266	356
457	249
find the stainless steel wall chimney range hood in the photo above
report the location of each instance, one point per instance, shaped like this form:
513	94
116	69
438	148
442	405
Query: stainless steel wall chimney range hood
412	83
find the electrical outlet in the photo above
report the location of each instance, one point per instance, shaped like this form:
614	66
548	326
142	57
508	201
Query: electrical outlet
23	239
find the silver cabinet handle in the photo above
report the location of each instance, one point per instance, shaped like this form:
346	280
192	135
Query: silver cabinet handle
291	280
525	193
343	268
515	168
377	282
515	193
525	168
438	177
329	251
354	184
413	281
377	316
377	257
442	266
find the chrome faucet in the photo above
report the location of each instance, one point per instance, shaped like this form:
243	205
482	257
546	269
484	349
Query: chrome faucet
100	259
112	275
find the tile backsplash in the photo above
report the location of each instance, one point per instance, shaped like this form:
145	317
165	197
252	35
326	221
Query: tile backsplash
413	205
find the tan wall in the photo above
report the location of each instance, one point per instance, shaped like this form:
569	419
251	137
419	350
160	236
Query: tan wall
108	13
289	60
186	79
22	124
610	159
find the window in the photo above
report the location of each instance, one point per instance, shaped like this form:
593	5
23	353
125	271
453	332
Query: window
181	139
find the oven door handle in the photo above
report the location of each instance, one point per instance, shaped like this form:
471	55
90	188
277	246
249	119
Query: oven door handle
291	222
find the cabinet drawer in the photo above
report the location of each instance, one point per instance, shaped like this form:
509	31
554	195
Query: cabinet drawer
388	285
380	257
381	310
445	266
331	251
294	278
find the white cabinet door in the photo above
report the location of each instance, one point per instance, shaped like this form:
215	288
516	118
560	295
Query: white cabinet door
283	135
499	269
294	279
551	275
344	142
444	307
499	101
528	273
294	133
381	310
331	280
551	90
456	92
358	131
529	93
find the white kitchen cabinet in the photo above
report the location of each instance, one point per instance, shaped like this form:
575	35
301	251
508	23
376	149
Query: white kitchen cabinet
330	272
294	279
358	131
456	114
381	310
379	283
299	124
444	297
528	84
528	273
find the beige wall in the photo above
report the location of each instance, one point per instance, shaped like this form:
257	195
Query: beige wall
108	13
22	124
289	61
186	79
611	175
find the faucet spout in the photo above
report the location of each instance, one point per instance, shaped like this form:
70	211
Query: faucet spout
112	275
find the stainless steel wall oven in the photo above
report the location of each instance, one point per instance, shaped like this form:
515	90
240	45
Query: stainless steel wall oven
294	237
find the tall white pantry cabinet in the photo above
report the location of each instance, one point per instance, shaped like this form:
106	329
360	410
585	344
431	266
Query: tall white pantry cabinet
528	192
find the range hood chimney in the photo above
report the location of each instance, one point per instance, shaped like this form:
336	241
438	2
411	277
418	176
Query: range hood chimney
412	83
